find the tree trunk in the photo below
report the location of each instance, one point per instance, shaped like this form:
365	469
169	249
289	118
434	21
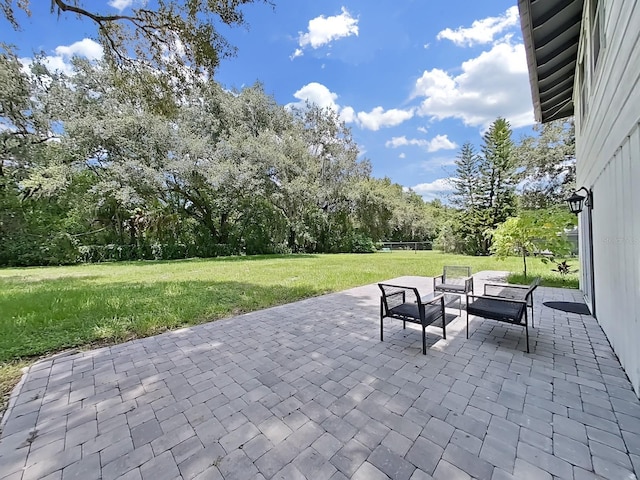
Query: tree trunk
291	241
224	228
524	261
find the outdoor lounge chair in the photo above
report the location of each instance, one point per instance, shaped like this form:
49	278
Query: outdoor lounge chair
454	279
517	292
405	303
504	308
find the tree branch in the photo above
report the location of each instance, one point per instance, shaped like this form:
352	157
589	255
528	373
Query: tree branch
65	7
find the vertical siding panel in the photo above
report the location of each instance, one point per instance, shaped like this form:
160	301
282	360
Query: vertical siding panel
616	227
617	268
633	370
600	246
612	247
623	211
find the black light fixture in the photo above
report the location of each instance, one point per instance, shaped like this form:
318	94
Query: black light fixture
577	201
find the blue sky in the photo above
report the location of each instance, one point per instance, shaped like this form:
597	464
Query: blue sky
414	79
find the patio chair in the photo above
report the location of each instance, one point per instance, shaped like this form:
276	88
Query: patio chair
405	303
454	279
503	309
517	292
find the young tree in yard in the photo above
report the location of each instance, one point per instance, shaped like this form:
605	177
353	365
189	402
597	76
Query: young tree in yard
531	232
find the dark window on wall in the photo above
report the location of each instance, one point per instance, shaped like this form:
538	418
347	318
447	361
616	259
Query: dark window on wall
582	85
596	31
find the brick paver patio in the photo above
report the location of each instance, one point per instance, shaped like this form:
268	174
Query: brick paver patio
307	390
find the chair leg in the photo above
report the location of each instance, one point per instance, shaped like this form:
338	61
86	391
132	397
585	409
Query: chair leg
533	325
444	319
424	340
381	317
526	327
404	325
467	324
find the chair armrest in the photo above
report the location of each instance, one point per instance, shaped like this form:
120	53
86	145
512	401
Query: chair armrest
437	298
495	290
400	292
497	299
523	287
435	280
468	284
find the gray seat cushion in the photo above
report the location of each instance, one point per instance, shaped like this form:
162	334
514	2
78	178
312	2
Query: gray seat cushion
510	312
410	310
450	287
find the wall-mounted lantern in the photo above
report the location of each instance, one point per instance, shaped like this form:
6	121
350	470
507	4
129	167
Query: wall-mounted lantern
577	201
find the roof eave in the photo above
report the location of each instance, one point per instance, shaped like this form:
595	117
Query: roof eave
527	33
551	35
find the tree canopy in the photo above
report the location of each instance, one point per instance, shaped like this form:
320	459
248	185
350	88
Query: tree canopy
92	170
484	190
548	164
172	34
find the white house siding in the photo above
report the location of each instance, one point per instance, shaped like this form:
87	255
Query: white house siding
608	162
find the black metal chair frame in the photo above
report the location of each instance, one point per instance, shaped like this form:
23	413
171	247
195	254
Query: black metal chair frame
517	292
504	309
394	304
455	279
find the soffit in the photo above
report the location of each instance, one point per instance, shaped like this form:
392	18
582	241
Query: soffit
551	32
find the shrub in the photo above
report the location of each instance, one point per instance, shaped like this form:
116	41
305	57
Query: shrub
361	243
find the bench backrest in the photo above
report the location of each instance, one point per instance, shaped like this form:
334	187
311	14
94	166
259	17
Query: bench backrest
395	295
455	274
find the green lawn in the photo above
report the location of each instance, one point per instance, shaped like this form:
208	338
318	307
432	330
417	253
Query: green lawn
44	310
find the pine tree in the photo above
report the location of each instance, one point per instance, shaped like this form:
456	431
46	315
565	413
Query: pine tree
497	177
465	183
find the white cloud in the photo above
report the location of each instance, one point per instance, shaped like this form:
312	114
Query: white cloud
422	129
396	142
60	62
348	115
320	95
317	93
378	117
432	190
84	48
402	155
496	83
323	30
439	142
53	64
481	31
121	5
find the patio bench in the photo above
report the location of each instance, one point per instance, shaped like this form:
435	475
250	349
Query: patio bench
406	304
510	309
